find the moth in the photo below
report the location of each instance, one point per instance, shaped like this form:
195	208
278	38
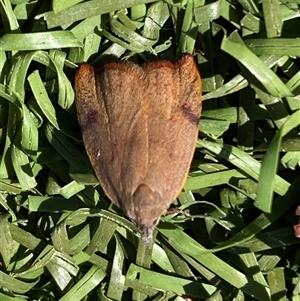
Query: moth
139	126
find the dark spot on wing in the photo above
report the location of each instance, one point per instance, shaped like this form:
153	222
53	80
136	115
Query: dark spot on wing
189	114
88	119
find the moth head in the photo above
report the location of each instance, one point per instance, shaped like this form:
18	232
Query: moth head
145	210
147	234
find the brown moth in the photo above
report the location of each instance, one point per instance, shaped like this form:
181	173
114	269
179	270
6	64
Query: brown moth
139	126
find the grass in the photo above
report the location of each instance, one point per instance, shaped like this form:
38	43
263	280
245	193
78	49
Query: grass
61	239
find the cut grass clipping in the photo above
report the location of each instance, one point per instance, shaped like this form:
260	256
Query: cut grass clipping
60	237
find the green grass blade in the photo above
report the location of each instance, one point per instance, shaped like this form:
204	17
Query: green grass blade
38	41
236	48
270	164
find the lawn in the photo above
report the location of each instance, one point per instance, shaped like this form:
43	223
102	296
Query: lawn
231	234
